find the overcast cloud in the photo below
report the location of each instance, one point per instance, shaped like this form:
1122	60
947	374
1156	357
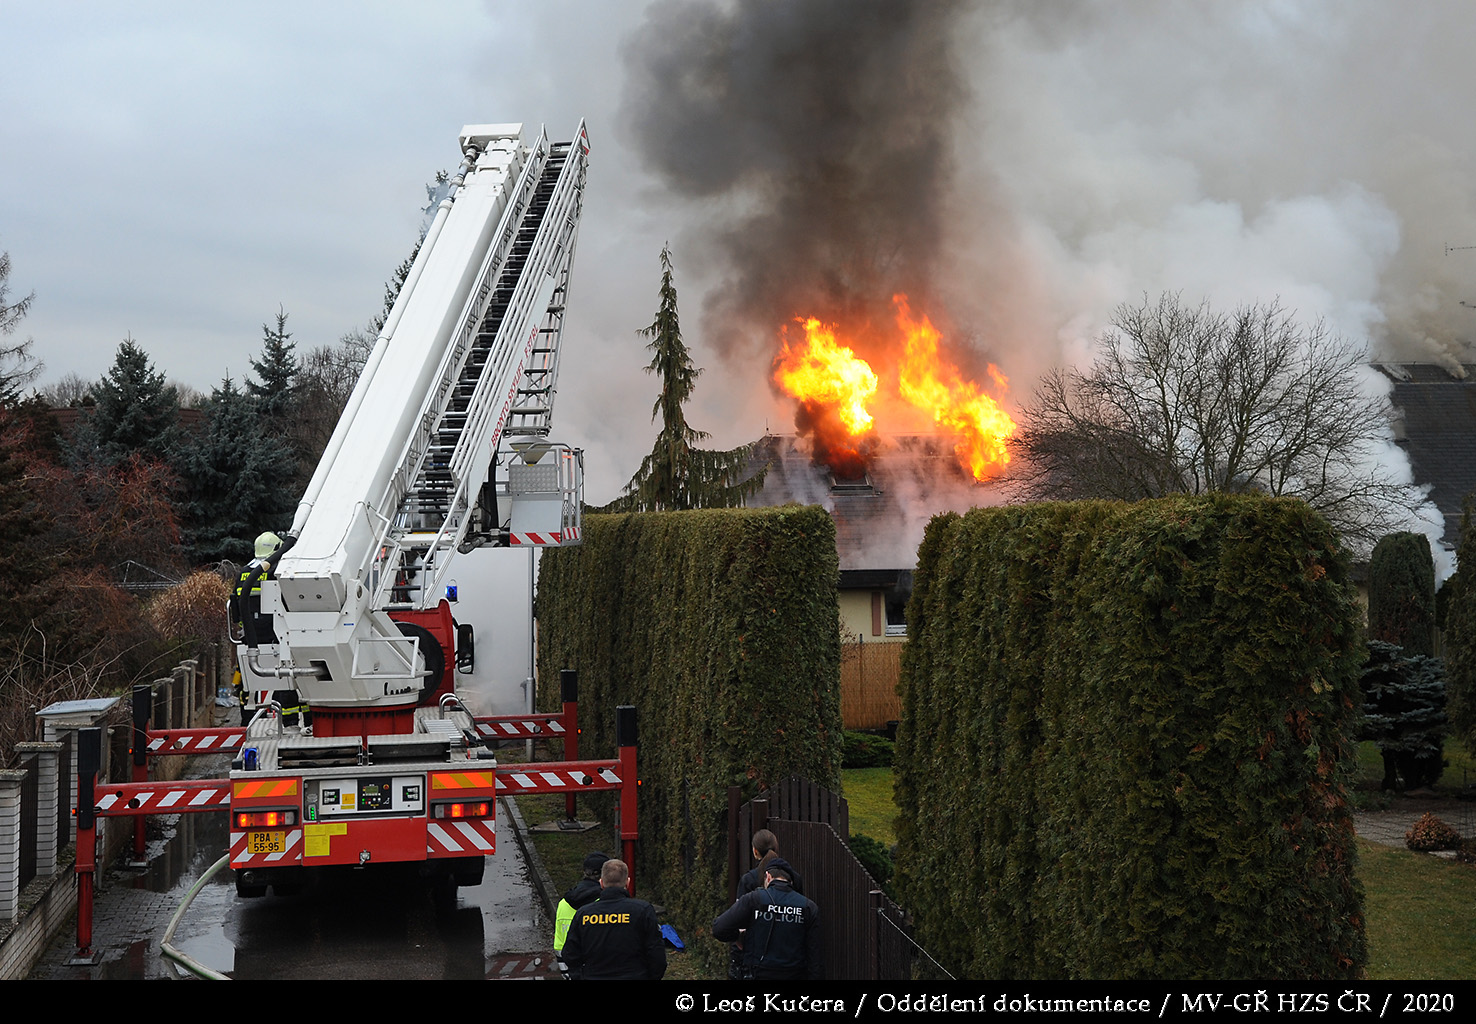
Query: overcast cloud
176	172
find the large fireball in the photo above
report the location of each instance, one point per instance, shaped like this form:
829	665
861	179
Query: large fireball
835	388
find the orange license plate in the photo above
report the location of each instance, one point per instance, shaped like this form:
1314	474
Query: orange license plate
266	842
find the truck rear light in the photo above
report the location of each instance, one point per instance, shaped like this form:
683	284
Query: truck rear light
265	819
463	809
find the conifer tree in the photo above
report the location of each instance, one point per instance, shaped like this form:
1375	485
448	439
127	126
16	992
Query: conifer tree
234	474
1404	704
1401	593
1459	632
136	411
18	367
278	369
676	474
23	567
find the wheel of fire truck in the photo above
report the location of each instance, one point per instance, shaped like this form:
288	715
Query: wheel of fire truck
435	660
468	870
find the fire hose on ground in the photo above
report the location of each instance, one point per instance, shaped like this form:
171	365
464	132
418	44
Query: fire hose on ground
166	947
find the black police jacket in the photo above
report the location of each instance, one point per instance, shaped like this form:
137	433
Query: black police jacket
586	890
754	879
615	938
782	938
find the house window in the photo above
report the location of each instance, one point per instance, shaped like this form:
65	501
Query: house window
896	614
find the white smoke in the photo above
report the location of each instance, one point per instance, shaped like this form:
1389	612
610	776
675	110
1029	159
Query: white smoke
1243	152
1236	152
1317	155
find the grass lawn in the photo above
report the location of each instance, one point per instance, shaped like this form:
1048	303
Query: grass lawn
1460	767
1419	914
1418	906
868	791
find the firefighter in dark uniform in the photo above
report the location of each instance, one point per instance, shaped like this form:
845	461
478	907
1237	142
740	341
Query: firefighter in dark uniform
247	601
247	596
616	937
781	929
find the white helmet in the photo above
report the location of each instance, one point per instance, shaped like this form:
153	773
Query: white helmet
267	543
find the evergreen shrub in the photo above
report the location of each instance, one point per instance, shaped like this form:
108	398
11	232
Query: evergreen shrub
875	858
1404	713
1124	742
1401	593
865	750
719	626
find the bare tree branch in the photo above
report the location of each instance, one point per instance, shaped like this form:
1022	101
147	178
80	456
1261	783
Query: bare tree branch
1189	400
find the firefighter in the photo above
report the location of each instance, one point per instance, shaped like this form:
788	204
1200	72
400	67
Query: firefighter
248	587
247	600
781	929
616	936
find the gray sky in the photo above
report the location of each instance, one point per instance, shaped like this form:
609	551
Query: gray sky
176	172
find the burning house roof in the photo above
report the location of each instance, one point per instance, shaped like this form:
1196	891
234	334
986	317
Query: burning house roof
1438	430
880	510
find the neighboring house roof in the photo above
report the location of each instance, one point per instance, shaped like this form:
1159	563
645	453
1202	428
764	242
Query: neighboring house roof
1437	428
68	417
879	518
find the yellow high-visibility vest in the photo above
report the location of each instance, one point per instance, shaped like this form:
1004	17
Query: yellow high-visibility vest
563	917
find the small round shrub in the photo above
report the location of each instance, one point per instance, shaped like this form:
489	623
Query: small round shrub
1430	833
865	750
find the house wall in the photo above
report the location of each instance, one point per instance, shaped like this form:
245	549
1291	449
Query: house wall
863	616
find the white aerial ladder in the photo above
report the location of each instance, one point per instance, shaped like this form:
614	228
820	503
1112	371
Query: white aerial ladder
460	383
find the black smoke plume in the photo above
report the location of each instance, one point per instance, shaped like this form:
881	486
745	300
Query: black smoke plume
818	134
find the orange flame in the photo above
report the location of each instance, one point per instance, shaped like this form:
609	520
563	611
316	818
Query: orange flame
834	386
827	373
935	385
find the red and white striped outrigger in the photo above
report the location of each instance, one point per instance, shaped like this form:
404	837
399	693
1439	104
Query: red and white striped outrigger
282	821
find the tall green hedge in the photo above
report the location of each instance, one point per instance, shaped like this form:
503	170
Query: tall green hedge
1459	635
1401	593
1124	738
722	628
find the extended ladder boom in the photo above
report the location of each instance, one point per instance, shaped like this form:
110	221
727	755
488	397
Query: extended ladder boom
468	356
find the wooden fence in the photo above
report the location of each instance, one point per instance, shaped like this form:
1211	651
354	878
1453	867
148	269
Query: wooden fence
869	674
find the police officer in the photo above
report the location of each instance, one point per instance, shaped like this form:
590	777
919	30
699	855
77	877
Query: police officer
616	937
586	890
781	929
765	850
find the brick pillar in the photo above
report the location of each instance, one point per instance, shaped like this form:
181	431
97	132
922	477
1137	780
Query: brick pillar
53	732
10	843
163	706
184	686
48	841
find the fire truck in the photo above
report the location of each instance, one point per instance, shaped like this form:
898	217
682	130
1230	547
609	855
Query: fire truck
443	447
